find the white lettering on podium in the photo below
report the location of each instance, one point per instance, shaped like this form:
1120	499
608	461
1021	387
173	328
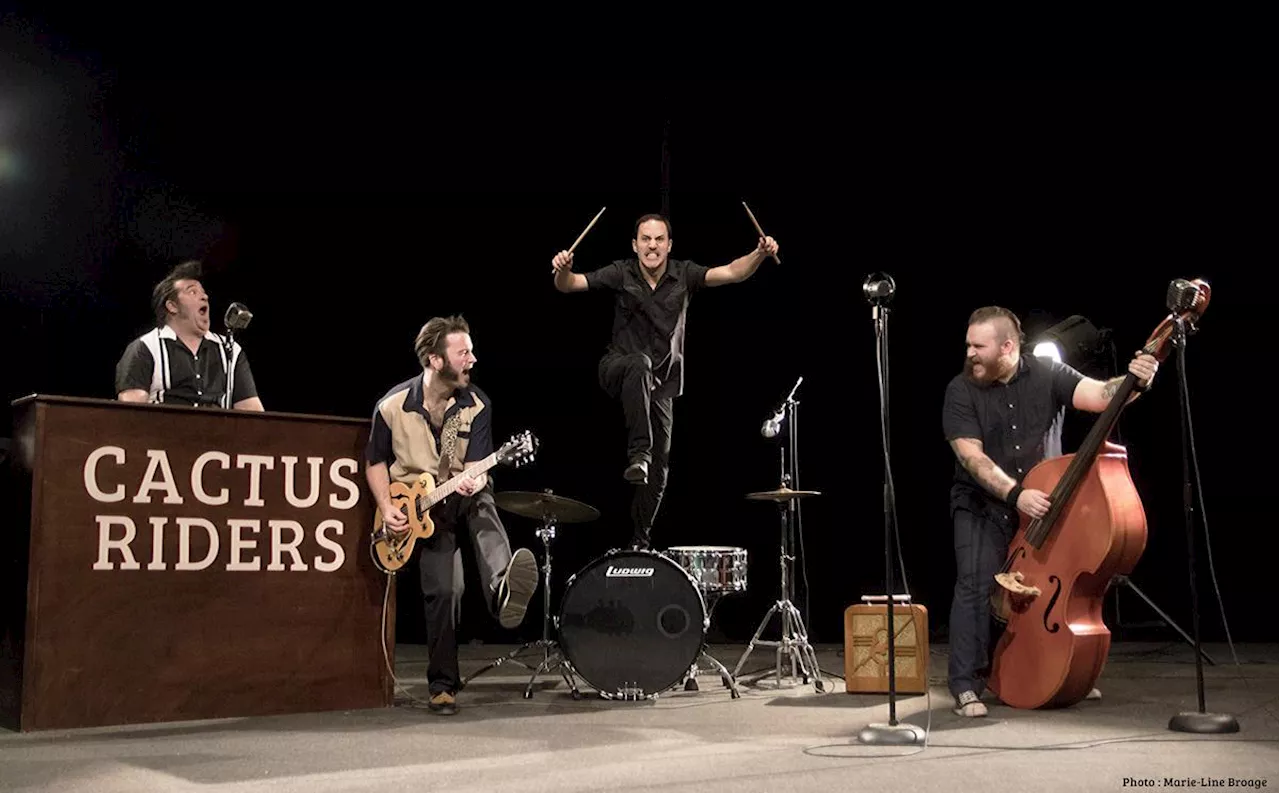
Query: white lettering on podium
159	464
353	492
290	491
184	544
339	555
106	544
234	543
157	544
256	463
197	478
278	548
238	545
91	474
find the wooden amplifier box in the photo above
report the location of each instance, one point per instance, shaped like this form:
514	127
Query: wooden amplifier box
866	649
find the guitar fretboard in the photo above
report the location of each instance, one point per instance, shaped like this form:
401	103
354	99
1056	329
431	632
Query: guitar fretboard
450	487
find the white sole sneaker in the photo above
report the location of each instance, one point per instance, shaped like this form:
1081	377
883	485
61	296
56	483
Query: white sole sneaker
517	588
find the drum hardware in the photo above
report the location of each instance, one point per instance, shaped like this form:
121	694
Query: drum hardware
793	641
718	570
633	625
551	510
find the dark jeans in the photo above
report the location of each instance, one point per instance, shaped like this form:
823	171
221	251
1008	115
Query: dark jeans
441	576
629	379
982	537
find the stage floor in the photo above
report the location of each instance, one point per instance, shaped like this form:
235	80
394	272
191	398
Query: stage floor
771	738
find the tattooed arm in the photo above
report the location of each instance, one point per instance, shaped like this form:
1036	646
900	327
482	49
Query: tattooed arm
981	467
1096	395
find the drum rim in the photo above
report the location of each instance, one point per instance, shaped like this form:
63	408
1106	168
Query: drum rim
696	548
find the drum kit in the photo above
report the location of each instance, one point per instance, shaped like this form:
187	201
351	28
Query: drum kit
633	624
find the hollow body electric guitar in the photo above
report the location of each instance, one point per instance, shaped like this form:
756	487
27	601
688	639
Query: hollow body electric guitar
391	549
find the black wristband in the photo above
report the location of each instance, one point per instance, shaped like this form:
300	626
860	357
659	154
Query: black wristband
1140	388
1012	498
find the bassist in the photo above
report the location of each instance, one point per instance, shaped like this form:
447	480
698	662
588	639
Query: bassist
996	415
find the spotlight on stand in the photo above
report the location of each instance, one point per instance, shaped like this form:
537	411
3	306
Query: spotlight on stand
1076	342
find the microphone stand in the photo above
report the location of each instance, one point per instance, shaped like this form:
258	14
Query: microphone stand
1200	721
879	290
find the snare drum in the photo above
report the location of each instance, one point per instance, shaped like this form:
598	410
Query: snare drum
715	568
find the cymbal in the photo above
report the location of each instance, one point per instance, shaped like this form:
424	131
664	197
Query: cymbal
782	494
543	506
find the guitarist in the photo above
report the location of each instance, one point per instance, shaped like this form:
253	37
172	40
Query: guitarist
996	416
438	422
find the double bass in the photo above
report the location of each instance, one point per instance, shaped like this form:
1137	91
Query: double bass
1059	567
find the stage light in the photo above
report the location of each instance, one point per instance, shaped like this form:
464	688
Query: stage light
1047	349
1076	342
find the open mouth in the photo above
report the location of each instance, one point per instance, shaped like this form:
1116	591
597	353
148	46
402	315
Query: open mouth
203	311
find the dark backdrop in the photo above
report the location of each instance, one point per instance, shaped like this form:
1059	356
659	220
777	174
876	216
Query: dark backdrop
344	214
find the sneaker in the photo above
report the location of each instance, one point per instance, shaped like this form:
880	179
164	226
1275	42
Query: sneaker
969	706
517	587
1093	694
443	703
637	473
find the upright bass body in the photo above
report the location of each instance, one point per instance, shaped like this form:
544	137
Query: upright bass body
1059	567
1055	644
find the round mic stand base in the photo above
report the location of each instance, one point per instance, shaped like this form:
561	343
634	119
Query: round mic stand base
1218	723
891	735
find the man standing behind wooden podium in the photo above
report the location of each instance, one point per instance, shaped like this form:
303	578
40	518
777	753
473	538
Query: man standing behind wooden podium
438	422
182	362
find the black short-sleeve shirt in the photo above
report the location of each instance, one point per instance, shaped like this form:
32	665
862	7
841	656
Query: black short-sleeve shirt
648	320
198	378
1011	419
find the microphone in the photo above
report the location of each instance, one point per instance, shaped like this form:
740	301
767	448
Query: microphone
1182	295
878	287
237	317
772	425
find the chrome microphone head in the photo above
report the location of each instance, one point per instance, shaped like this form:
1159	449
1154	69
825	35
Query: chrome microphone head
1181	295
878	288
237	317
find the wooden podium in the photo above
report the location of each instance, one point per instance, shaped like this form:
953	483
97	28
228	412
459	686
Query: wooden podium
162	563
866	649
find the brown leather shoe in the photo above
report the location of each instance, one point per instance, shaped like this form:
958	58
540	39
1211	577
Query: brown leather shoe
443	703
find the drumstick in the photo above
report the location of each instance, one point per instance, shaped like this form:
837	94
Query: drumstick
584	231
588	228
756	223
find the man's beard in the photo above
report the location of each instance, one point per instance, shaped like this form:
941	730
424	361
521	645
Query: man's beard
990	372
450	375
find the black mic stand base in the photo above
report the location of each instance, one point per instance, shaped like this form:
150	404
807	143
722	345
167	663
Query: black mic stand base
1206	723
891	735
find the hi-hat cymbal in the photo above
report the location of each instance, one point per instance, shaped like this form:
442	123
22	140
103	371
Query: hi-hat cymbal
545	506
781	494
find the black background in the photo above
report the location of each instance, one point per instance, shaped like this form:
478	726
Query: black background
346	213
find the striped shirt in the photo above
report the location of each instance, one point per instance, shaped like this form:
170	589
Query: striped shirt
159	363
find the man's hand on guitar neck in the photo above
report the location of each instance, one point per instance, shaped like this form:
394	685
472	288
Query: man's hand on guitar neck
469	486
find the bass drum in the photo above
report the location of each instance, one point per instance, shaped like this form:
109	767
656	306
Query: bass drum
632	624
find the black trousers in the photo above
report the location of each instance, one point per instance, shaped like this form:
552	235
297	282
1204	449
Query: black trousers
629	379
441	576
982	537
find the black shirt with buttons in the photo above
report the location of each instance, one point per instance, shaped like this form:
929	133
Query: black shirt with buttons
197	378
651	320
1013	420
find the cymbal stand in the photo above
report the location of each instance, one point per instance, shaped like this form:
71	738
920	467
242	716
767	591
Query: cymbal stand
552	658
793	642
